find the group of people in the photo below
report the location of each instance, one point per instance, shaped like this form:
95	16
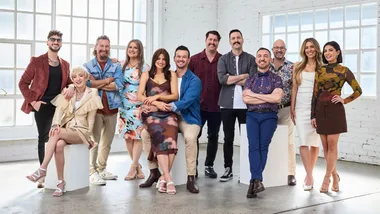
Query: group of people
153	104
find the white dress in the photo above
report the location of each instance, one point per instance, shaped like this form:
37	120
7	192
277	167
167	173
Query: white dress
307	135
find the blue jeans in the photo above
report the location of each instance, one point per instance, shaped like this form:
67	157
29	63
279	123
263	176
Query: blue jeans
260	130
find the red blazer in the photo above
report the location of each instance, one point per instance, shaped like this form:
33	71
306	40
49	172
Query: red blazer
34	81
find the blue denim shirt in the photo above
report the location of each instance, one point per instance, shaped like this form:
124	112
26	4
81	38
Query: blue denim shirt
189	100
110	70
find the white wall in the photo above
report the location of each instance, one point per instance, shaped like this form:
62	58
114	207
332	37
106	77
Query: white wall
362	142
186	22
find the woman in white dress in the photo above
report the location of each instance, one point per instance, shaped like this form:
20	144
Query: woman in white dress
302	91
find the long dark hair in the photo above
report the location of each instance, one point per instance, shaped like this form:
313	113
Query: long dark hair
140	56
336	46
153	69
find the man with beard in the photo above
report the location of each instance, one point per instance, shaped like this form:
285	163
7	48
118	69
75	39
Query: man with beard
107	77
262	93
284	69
44	78
189	118
233	70
204	65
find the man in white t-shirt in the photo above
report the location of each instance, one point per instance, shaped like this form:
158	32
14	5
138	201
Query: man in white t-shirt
233	69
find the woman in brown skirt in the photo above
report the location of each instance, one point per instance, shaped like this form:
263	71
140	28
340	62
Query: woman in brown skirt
72	124
327	111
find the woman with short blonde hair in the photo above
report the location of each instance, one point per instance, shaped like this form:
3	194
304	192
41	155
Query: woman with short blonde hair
73	122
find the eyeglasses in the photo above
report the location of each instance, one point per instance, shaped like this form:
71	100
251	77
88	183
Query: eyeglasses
51	39
279	48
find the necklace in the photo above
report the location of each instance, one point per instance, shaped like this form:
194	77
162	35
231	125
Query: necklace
53	62
132	66
79	95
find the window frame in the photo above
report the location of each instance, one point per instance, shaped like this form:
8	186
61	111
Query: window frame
359	51
29	131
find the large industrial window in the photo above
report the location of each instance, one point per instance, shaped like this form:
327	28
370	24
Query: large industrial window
24	28
354	27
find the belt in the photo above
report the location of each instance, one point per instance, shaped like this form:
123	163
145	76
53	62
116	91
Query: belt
263	110
283	106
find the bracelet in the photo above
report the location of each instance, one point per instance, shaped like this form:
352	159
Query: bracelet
55	126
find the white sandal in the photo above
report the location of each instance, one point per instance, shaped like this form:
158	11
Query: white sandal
38	175
59	191
170	192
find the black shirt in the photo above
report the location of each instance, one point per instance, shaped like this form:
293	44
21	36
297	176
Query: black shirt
54	84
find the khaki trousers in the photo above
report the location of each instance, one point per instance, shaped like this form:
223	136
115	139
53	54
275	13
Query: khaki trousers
190	133
103	133
284	119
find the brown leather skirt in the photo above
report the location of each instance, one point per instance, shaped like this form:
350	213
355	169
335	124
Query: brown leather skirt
330	118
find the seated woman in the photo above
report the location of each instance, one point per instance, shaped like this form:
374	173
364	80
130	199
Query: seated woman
158	87
72	124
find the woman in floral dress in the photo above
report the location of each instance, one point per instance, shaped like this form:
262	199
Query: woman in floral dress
130	121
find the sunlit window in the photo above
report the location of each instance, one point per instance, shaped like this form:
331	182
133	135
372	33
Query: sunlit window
353	27
26	23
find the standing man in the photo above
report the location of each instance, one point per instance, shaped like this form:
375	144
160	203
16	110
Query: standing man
189	119
284	69
233	69
205	66
262	93
108	79
44	78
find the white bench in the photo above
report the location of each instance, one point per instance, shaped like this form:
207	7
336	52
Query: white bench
76	169
179	172
276	169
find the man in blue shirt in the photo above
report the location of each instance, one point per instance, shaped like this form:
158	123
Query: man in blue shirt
108	79
262	93
189	118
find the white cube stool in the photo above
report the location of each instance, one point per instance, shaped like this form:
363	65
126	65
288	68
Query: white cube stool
179	172
276	168
76	170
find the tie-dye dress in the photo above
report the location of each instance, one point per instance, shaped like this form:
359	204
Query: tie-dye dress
162	126
130	121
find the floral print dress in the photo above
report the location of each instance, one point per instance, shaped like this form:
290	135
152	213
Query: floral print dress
130	121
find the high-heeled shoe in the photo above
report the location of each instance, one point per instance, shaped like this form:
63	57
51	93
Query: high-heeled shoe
325	185
132	173
60	189
140	173
335	183
161	186
172	191
38	175
308	187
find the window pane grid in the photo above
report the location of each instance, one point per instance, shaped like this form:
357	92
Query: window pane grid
354	27
28	21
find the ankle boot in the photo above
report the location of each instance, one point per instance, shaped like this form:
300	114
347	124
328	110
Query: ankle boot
153	177
191	184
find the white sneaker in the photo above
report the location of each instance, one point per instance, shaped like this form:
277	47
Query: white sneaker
96	179
107	175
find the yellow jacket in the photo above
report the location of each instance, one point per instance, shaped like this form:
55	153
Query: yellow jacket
80	119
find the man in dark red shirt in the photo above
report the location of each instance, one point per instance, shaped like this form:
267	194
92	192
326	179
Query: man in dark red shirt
204	65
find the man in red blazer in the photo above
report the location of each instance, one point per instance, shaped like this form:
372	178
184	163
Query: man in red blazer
44	78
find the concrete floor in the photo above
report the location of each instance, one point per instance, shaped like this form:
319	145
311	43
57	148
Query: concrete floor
360	193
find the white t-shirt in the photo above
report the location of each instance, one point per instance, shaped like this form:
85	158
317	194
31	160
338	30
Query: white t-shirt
76	105
179	91
238	92
179	86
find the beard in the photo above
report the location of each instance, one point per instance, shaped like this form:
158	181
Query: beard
279	57
178	66
104	57
54	50
264	67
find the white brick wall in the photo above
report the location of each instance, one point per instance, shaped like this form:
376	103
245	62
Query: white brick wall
362	142
186	22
